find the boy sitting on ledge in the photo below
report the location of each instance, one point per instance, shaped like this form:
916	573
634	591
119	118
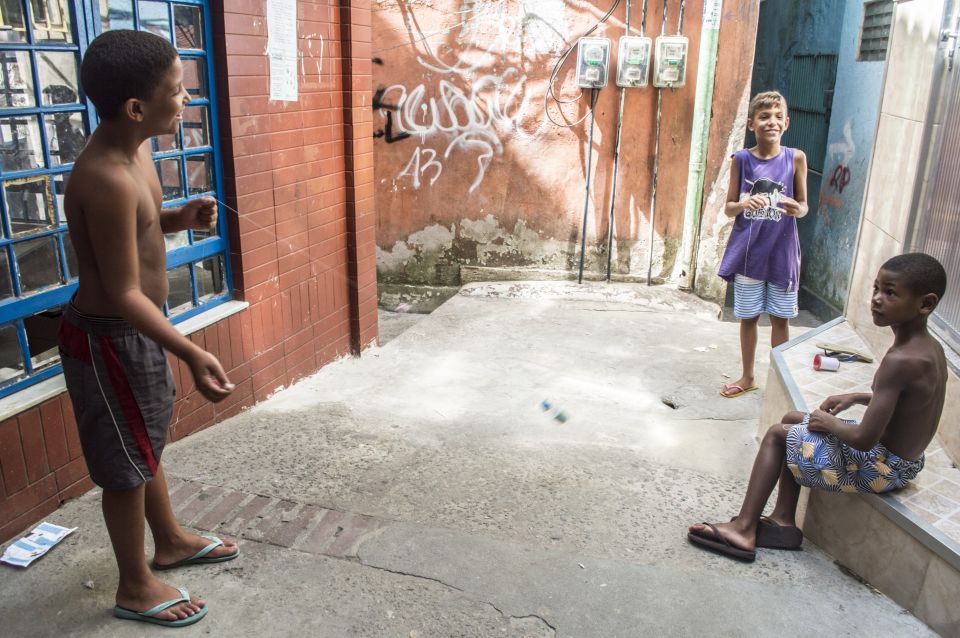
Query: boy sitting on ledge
821	451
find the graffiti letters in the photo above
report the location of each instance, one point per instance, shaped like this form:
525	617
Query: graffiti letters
840	178
417	166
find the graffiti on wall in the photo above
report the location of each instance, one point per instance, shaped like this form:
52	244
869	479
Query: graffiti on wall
841	154
480	98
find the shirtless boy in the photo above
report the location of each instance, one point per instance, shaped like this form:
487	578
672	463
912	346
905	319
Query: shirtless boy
114	335
821	451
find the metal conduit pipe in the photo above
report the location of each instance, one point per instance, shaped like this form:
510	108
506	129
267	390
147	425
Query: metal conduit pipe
656	163
616	161
686	267
586	197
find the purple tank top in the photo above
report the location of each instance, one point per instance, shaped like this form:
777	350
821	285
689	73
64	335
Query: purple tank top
764	244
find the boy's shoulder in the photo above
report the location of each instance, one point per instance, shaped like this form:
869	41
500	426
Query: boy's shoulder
917	360
96	174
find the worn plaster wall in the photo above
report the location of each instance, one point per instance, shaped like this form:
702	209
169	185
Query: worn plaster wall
471	172
831	227
738	32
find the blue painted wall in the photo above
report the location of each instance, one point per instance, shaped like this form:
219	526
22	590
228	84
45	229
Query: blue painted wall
829	232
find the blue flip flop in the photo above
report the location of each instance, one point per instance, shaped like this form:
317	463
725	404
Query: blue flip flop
148	616
201	558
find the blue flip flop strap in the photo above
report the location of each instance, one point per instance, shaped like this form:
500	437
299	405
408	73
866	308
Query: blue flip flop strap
206	550
184	598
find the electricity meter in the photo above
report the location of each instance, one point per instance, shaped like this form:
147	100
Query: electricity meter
633	62
670	68
593	60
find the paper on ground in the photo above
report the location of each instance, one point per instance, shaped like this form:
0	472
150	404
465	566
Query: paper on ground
37	543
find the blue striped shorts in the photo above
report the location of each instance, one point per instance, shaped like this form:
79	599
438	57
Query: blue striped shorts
752	297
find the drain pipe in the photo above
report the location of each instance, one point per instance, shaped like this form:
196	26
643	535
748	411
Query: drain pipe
616	160
656	163
686	268
586	197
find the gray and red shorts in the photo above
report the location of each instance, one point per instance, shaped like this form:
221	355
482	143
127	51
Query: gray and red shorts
122	392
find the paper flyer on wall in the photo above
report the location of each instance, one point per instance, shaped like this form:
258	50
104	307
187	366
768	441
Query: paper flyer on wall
282	49
35	544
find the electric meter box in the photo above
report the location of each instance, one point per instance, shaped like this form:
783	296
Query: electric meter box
593	62
670	67
633	61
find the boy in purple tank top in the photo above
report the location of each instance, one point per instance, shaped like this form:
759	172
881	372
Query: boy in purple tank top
767	193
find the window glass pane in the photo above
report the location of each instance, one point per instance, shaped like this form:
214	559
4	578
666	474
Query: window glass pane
11	357
59	189
12	25
170	183
21	148
199	173
188	27
176	240
28	204
51	21
116	14
196	127
209	273
41	331
6	283
155	18
39	263
66	135
16	80
195	77
181	292
165	143
71	256
59	82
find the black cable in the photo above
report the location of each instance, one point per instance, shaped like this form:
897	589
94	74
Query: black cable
586	199
551	94
680	19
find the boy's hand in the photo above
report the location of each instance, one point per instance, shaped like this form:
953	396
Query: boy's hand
209	377
837	403
821	421
791	207
199	214
755	202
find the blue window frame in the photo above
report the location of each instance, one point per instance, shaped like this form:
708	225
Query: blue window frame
44	121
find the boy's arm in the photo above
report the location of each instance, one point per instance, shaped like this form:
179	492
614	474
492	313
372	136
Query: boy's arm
197	214
797	205
110	214
889	383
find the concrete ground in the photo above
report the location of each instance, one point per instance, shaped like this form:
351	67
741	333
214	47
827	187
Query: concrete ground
420	491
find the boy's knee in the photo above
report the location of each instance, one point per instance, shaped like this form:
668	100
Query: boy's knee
776	433
751	321
792	418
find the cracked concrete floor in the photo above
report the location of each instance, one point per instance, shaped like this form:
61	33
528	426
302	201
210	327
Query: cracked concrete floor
489	518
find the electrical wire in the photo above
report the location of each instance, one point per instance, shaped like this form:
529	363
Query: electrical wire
551	94
680	19
444	31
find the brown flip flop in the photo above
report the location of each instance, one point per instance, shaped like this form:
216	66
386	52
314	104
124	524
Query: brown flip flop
772	535
717	543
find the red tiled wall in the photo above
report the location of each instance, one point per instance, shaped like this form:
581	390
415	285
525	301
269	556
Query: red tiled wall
303	245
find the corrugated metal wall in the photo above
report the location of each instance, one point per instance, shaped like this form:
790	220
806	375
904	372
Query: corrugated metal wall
811	89
939	231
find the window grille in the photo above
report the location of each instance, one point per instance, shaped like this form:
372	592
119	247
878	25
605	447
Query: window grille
44	122
875	32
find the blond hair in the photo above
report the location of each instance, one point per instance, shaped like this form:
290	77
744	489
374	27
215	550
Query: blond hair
765	100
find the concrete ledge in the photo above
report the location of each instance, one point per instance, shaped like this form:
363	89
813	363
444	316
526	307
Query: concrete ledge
879	537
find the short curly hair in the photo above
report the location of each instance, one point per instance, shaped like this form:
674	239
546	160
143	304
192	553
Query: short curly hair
123	64
764	100
922	273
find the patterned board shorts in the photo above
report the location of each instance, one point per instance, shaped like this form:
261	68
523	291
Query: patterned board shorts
823	462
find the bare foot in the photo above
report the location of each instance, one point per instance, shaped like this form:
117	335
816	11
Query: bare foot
782	521
188	545
155	592
729	531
